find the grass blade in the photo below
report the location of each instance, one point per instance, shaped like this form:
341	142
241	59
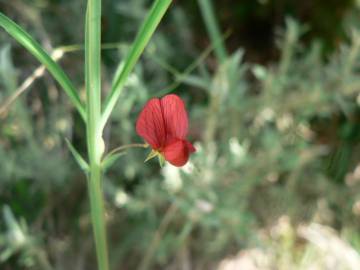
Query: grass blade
212	26
36	50
142	39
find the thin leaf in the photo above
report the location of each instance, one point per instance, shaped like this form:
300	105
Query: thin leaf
36	50
79	159
213	29
110	160
146	31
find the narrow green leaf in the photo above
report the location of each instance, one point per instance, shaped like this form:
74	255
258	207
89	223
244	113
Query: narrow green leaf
10	220
142	39
38	52
7	253
213	29
110	160
79	159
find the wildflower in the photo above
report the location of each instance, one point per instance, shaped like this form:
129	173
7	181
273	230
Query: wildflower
163	124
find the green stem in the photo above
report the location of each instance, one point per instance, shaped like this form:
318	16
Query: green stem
97	216
213	29
94	131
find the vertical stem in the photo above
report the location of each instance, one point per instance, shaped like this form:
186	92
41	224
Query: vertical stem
97	216
213	29
93	129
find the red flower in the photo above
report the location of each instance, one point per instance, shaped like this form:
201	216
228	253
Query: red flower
163	124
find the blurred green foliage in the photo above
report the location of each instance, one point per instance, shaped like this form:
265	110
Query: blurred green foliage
273	138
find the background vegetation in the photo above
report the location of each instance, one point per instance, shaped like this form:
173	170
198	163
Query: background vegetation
276	123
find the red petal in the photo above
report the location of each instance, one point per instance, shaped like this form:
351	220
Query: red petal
150	124
177	153
175	116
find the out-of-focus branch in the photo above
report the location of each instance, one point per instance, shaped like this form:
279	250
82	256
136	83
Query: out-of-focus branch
39	72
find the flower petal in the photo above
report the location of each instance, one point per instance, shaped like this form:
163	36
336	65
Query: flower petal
175	116
150	124
177	153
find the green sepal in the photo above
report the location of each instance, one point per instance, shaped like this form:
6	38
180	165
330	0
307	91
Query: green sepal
79	159
151	155
161	160
155	153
